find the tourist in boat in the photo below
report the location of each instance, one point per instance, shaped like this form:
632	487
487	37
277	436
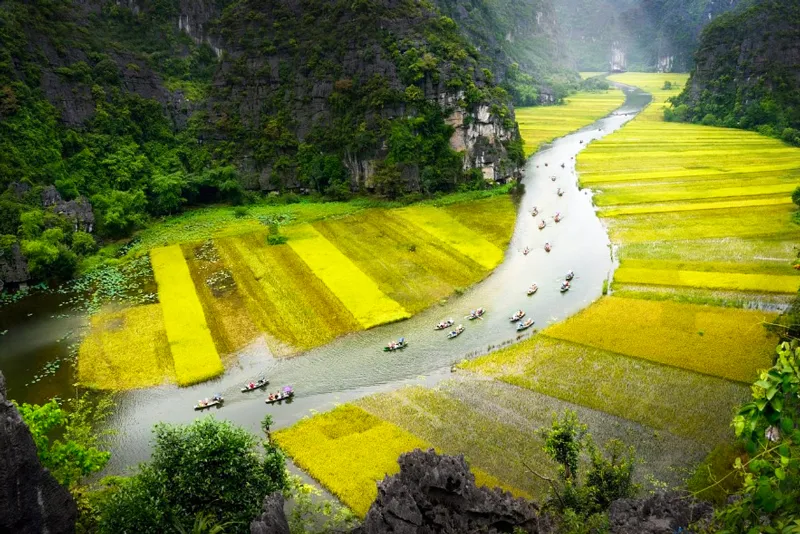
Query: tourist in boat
570	275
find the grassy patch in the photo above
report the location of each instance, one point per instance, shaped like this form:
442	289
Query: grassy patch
695	206
542	124
684	403
358	292
728	343
587	75
126	349
448	230
193	352
710	280
492	218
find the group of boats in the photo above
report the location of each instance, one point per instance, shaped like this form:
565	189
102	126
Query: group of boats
447	324
285	393
521	325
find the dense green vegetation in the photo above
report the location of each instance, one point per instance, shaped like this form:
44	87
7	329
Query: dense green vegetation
747	78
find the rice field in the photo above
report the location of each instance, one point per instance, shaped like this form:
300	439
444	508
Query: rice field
126	349
721	342
541	124
631	388
194	354
768	283
349	451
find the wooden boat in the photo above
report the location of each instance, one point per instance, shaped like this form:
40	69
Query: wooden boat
553	178
533	289
261	383
400	344
476	314
570	276
542	224
560	192
215	401
535	211
455	333
557	218
562	165
526	250
517	316
547	247
565	287
527	324
285	395
444	324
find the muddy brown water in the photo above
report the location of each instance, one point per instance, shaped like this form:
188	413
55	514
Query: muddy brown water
355	365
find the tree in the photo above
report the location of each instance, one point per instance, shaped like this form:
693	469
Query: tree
78	452
209	466
796	196
564	441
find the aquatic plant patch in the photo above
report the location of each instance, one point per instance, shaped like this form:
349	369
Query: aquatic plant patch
542	124
358	292
126	349
710	280
445	228
724	342
193	351
282	296
638	390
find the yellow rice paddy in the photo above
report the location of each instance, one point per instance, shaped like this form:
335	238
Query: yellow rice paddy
542	124
193	352
710	280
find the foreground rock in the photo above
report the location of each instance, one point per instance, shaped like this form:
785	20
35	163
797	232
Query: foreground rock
31	501
438	494
273	520
663	513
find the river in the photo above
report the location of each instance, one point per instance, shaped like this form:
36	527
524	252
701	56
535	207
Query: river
354	365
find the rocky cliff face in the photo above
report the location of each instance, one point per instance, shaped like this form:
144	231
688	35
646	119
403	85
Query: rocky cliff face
747	70
31	501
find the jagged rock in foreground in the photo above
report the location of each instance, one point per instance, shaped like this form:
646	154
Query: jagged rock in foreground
273	520
663	513
31	501
437	494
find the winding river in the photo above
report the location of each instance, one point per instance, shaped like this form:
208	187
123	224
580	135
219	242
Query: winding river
354	365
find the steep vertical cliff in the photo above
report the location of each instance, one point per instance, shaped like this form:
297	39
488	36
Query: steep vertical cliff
31	501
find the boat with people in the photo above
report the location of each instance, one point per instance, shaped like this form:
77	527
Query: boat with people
560	192
533	289
565	285
258	384
523	326
570	275
455	333
216	400
557	217
476	314
553	178
284	395
547	247
526	250
396	345
444	324
535	211
517	316
542	224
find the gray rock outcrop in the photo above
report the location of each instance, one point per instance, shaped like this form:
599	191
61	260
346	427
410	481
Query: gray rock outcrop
273	520
663	513
13	265
31	501
437	494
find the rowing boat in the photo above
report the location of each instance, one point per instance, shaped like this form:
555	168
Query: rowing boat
391	347
257	385
213	402
444	324
525	325
455	333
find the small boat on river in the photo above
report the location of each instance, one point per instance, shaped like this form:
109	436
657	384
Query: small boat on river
542	224
517	316
476	314
570	276
444	324
565	286
526	250
216	400
523	326
284	395
547	247
557	217
258	384
560	192
455	333
533	289
535	211
553	178
396	345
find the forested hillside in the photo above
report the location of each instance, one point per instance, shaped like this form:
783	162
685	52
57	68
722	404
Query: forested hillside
647	34
748	72
115	112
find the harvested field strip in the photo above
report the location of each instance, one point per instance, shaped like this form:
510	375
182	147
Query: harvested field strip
126	349
358	292
223	304
445	228
644	392
495	426
284	297
193	351
542	124
412	267
695	206
728	343
706	224
776	266
493	218
709	280
349	451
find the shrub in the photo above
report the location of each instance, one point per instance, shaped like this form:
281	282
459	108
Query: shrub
709	120
240	211
796	196
83	243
